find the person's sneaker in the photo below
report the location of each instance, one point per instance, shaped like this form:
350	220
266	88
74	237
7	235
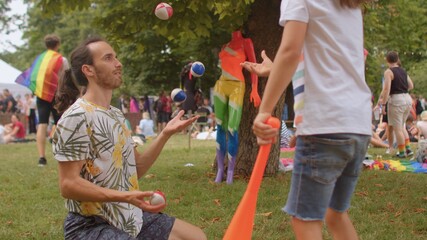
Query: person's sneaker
42	162
400	155
387	151
409	152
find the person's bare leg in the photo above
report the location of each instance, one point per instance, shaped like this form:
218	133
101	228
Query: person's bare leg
340	225
385	135
405	133
390	138
310	230
7	139
400	137
41	139
378	143
184	230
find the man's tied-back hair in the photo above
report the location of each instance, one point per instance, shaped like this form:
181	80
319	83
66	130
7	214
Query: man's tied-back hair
73	82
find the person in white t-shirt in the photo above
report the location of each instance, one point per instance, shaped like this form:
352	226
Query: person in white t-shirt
331	141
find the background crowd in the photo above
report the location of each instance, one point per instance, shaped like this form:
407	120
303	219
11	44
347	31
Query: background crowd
158	110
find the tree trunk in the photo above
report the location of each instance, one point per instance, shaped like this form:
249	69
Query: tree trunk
264	30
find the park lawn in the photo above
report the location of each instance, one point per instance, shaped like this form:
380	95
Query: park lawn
386	205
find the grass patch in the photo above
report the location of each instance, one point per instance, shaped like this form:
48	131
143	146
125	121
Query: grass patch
386	205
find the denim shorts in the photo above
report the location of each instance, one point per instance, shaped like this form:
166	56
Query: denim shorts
325	173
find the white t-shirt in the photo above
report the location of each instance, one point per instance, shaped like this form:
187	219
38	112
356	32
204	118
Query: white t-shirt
336	98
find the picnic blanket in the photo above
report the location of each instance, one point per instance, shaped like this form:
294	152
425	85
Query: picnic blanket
396	165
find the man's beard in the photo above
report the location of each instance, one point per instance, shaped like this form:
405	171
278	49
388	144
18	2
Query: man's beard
109	82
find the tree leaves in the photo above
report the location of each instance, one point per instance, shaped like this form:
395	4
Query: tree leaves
154	51
397	25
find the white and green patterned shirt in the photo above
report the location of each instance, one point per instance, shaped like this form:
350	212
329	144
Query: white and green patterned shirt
99	136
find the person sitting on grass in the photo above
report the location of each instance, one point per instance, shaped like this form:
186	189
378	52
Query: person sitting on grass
145	129
421	155
376	141
422	126
14	131
411	129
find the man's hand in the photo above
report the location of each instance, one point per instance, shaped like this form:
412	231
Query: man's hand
177	125
137	198
261	69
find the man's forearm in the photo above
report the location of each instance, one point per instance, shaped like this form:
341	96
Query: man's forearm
80	189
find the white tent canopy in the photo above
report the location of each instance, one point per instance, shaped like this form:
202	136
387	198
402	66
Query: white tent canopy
8	74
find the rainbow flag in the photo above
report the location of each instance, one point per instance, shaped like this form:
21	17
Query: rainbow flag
42	77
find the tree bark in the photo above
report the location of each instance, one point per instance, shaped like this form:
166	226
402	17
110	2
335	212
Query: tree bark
264	30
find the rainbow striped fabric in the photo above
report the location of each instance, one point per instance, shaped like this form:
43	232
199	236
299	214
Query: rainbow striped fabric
298	87
396	165
42	77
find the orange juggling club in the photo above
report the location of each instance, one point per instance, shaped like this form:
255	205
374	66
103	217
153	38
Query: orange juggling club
241	225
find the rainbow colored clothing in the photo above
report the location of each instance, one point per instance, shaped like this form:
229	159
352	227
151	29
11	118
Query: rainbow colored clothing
42	77
397	166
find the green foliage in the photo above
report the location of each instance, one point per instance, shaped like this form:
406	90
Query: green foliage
72	27
386	205
397	25
52	7
4	7
154	51
419	77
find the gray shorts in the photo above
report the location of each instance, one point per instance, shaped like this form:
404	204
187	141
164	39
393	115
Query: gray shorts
156	226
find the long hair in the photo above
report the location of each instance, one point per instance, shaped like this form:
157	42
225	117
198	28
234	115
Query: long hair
73	82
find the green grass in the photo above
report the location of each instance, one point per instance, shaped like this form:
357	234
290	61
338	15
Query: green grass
387	205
